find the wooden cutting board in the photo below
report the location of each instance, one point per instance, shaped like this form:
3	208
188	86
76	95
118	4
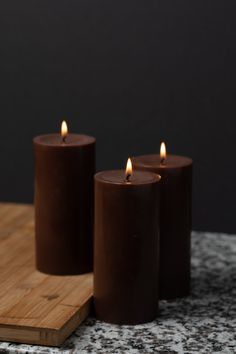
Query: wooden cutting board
35	308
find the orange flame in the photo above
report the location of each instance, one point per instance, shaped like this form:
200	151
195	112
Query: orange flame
163	152
64	130
129	169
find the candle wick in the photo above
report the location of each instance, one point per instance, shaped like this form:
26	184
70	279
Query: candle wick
163	161
127	178
64	139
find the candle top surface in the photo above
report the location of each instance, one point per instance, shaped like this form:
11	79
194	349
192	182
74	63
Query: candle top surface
119	177
70	140
152	161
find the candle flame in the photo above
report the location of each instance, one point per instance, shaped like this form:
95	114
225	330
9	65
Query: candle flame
163	152
64	129
129	169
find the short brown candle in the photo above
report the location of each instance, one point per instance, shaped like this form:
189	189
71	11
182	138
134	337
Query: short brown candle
126	247
64	169
175	220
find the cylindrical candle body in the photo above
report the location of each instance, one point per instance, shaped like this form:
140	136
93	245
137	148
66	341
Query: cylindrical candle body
126	247
64	195
175	221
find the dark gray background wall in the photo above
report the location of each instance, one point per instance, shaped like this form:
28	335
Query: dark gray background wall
130	72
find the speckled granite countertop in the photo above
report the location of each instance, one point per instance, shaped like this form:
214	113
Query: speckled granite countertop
205	322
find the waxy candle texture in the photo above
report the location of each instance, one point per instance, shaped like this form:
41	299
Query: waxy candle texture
64	169
126	247
175	220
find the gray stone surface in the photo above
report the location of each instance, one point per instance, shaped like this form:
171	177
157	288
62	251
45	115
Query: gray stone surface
205	322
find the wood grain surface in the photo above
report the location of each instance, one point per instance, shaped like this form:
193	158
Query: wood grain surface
35	308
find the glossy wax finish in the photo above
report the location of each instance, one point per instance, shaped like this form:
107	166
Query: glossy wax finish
126	247
175	221
64	203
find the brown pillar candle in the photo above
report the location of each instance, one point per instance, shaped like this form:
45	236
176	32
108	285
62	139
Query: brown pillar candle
175	220
64	169
126	247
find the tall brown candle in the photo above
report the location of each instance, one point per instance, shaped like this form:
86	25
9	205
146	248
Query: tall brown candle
175	219
126	246
64	169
